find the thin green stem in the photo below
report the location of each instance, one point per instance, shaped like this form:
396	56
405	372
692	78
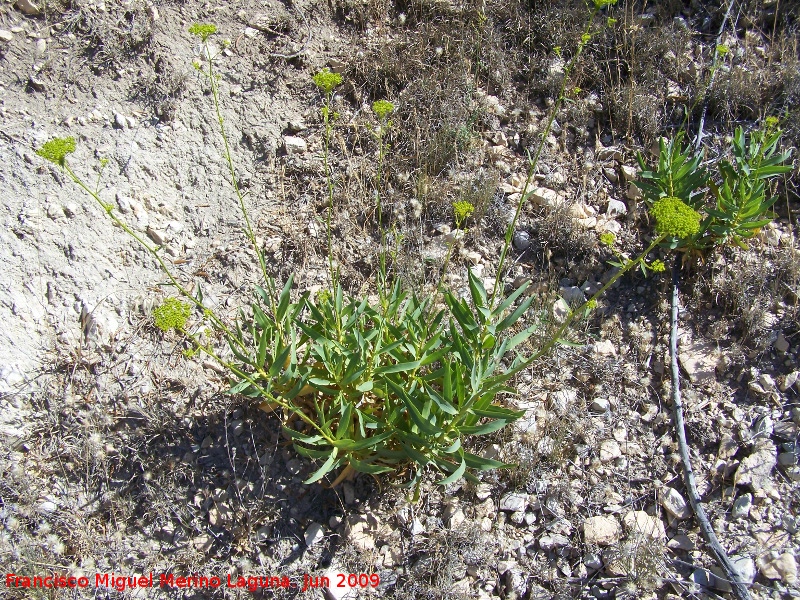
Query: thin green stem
535	160
150	249
212	77
554	339
446	264
326	115
382	287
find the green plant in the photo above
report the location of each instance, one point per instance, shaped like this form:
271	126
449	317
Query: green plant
381	389
741	194
396	387
699	210
462	210
171	314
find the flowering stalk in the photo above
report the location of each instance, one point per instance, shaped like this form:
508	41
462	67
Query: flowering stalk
591	303
534	161
462	210
326	80
56	151
204	31
383	110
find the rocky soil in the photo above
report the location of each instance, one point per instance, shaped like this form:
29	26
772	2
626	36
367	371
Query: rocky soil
121	454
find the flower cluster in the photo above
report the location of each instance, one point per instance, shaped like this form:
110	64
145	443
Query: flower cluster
462	210
172	314
607	239
326	80
658	266
203	30
675	218
56	150
771	123
382	109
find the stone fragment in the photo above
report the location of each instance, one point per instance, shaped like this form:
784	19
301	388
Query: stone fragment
521	240
157	235
629	173
681	542
36	84
600	405
516	583
294	145
579	210
553	541
789	380
608	225
774	565
314	534
6	36
417	528
513	502
674	503
711	579
360	530
641	525
572	294
727	447
28	7
609	450
601	531
781	344
203	542
483	491
699	360
745	566
593	561
545	197
561	310
472	257
633	192
616	208
611	174
755	470
609	153
741	507
46	507
604	348
120	122
454	516
562	400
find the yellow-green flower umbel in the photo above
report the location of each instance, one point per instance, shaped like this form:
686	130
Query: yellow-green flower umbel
56	150
172	314
675	218
382	109
462	211
326	80
203	30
